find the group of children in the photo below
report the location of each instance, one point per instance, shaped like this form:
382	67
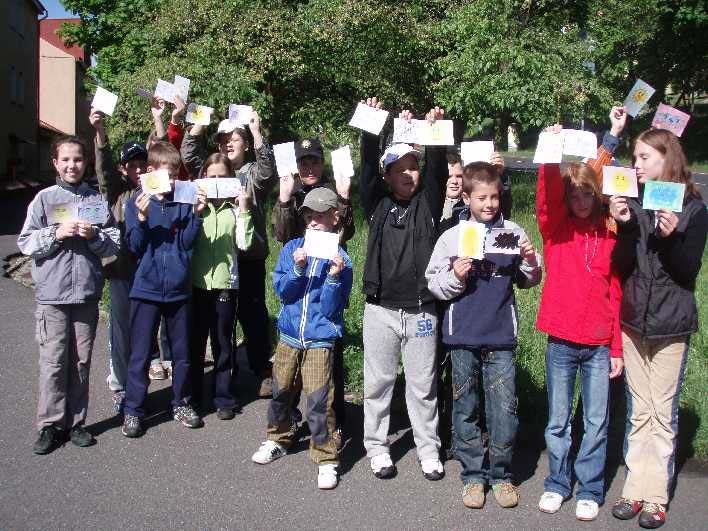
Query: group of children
618	294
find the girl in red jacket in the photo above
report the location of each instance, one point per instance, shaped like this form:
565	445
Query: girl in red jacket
580	313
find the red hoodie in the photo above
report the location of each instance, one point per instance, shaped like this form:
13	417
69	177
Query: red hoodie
582	292
175	133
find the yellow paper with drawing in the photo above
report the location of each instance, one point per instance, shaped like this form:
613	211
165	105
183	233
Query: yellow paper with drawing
619	181
61	212
471	240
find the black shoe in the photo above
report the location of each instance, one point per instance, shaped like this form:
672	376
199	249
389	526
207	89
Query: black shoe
132	426
653	515
187	416
625	509
50	438
227	413
80	437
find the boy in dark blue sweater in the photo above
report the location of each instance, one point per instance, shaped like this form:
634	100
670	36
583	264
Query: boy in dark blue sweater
161	234
479	331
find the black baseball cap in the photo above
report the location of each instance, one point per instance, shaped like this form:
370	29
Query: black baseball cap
133	150
309	147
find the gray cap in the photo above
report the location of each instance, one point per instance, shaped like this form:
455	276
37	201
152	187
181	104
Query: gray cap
320	199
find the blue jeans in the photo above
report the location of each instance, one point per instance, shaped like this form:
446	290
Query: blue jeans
496	367
563	361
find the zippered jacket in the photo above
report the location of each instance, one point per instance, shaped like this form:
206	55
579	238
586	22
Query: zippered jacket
163	245
225	232
660	273
312	312
581	296
482	310
65	271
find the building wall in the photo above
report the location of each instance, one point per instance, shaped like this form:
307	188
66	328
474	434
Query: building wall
57	88
19	67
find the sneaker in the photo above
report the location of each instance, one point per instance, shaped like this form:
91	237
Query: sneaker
432	469
265	389
338	438
187	416
81	437
625	509
653	515
586	510
157	372
327	477
227	413
473	495
382	466
118	402
550	502
132	427
268	452
48	440
506	494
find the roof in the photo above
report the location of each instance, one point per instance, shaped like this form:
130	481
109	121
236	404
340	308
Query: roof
51	128
48	31
38	5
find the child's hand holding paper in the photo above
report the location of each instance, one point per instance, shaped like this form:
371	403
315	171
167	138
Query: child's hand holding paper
321	244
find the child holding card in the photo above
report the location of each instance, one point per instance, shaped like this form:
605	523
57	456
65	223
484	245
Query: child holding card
479	333
659	254
161	234
68	275
238	143
400	317
313	293
583	329
226	230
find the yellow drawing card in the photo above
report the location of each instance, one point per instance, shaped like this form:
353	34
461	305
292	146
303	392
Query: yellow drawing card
61	212
471	240
619	181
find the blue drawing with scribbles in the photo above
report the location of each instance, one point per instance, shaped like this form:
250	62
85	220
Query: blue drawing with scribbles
663	195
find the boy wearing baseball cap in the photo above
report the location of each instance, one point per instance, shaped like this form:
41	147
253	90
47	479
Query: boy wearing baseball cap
400	317
313	293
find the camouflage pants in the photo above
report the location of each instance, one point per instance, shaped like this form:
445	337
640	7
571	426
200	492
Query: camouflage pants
311	370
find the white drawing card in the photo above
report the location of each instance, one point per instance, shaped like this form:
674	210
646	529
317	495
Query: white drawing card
503	241
104	101
93	212
228	187
342	164
664	195
404	132
549	149
437	133
285	158
156	182
617	180
241	114
186	192
321	244
368	119
579	143
199	114
638	97
62	212
479	151
181	87
208	184
470	242
165	90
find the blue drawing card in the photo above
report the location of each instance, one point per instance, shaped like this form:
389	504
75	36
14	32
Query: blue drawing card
663	195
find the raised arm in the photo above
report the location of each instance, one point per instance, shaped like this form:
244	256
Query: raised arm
263	175
551	211
436	172
605	151
371	185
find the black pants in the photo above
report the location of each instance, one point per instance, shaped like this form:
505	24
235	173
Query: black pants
215	317
253	314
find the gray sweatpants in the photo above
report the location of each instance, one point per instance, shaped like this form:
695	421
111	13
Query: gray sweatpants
389	334
65	334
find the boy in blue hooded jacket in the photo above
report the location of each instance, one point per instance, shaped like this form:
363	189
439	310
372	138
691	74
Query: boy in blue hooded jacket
161	234
313	293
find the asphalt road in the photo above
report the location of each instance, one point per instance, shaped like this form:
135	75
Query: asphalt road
174	477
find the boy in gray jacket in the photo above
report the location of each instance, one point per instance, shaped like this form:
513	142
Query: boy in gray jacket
67	272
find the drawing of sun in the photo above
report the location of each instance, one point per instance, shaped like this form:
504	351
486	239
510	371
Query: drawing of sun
639	96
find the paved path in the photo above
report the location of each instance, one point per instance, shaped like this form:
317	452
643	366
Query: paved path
203	479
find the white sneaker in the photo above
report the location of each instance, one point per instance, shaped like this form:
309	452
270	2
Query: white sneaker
268	452
382	466
550	502
327	477
432	469
586	510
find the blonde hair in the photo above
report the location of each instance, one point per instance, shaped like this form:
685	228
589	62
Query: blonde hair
479	172
164	153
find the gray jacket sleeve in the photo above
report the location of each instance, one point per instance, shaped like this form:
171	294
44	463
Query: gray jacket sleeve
36	238
442	282
193	152
107	240
263	176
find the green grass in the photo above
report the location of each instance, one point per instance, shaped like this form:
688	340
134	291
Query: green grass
530	354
